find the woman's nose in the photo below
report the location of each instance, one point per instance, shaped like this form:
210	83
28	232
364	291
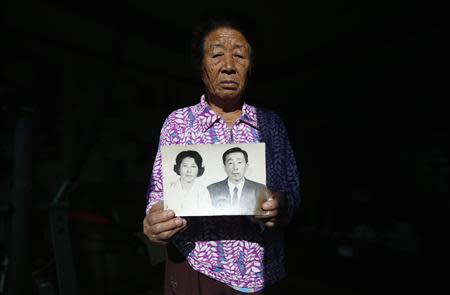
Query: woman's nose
229	65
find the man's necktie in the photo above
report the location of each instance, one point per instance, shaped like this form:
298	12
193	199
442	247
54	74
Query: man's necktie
235	200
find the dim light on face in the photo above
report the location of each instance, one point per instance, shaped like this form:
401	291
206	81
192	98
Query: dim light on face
226	63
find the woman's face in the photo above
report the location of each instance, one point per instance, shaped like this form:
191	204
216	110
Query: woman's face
226	62
188	170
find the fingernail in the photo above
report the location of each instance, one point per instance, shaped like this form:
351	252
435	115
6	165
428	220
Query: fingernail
170	213
178	222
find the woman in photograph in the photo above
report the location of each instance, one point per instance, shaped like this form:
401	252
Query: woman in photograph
187	196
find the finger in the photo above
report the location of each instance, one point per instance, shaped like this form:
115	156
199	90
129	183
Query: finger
164	230
159	216
271	204
268	214
167	235
155	213
157	207
167	225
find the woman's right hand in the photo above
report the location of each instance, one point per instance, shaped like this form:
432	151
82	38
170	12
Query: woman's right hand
161	225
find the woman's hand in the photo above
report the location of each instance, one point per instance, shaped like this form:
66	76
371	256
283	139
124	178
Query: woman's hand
276	210
161	225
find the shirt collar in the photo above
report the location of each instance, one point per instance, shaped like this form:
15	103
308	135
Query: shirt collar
207	118
240	185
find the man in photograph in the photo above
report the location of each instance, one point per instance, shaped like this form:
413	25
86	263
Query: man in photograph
237	195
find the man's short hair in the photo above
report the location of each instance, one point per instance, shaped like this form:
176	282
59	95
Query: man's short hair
234	150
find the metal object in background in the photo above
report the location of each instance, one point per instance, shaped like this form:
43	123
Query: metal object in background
62	246
19	267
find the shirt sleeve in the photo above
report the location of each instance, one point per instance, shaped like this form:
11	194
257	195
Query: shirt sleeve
168	136
282	169
155	191
291	181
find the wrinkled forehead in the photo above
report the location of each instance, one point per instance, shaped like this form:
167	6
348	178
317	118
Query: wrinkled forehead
225	37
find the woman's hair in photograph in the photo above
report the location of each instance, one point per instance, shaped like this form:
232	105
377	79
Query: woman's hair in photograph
189	154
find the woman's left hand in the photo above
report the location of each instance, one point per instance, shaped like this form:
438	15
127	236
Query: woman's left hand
276	210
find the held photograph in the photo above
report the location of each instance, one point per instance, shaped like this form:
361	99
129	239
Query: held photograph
214	179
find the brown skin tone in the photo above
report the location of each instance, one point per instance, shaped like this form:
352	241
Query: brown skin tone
276	210
226	64
160	225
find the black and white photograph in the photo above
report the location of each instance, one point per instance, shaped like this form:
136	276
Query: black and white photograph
210	179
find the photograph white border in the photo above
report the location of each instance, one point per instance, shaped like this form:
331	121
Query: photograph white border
214	172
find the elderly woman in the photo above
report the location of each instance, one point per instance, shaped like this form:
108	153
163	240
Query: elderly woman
225	255
186	196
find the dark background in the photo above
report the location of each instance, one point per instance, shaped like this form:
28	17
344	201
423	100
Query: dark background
86	85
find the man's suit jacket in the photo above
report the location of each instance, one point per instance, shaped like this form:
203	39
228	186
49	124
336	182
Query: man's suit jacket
252	196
